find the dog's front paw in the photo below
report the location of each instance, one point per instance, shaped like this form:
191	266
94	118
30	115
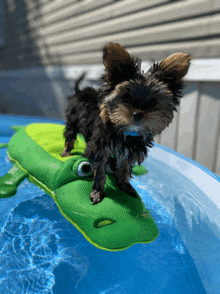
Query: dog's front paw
97	196
127	188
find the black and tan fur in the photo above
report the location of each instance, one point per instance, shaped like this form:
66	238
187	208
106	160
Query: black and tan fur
129	100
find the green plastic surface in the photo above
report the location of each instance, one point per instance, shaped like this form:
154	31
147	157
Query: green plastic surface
116	223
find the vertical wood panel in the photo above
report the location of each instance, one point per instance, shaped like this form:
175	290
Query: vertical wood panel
217	163
187	120
168	136
157	139
207	135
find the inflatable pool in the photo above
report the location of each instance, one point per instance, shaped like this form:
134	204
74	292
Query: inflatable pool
41	252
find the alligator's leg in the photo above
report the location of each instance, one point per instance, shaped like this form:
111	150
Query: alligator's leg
10	181
3	145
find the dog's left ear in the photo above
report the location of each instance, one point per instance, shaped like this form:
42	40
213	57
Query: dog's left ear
175	66
119	64
171	69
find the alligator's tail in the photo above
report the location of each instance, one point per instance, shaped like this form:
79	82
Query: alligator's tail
15	128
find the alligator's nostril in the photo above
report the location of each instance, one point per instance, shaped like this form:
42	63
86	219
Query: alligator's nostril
102	222
137	116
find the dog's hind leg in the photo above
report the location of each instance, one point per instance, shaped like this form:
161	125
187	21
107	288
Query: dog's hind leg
69	145
70	134
123	177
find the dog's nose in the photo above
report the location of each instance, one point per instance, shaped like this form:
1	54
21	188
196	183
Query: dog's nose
137	116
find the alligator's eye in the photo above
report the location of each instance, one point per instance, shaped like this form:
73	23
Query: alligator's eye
85	169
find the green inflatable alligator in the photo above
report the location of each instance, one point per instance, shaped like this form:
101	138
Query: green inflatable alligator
116	223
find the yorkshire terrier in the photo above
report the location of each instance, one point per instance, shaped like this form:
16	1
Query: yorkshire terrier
124	114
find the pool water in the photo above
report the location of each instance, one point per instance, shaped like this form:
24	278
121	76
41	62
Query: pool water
41	252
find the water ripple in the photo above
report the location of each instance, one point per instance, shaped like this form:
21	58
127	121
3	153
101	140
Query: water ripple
30	249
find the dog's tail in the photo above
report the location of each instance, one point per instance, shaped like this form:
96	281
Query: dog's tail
88	94
78	81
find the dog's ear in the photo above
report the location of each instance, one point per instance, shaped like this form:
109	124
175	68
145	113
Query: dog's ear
173	68
171	71
119	64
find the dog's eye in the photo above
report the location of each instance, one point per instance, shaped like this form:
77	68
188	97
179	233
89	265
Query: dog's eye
85	169
148	103
127	98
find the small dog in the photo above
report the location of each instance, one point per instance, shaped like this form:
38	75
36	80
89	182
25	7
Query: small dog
122	117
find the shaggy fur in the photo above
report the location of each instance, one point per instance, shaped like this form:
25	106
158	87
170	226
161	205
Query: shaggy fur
122	117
